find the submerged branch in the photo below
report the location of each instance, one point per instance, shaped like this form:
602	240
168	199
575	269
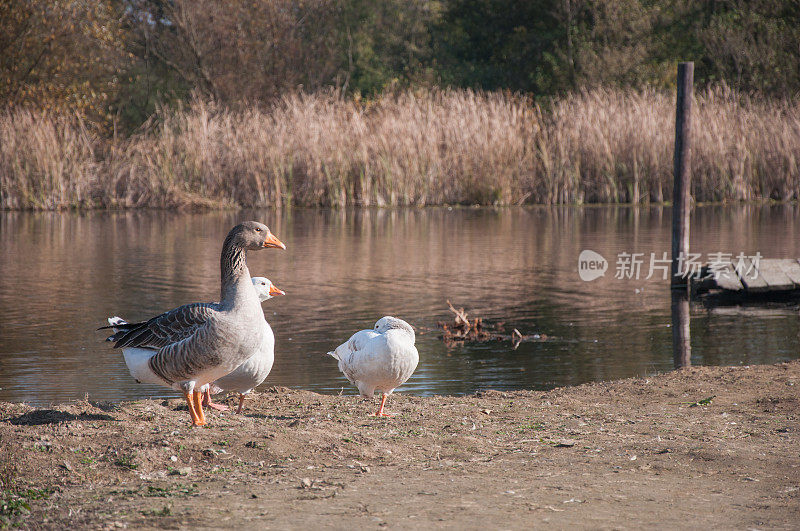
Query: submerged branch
476	330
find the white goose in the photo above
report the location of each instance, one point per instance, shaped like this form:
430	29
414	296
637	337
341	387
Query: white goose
196	344
255	370
382	358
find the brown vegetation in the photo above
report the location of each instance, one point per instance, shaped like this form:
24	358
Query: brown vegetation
57	55
209	44
415	148
463	329
47	161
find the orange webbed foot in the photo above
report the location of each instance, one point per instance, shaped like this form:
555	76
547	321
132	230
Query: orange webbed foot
380	412
213	405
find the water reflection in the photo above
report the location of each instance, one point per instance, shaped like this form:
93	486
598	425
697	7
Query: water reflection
681	333
62	274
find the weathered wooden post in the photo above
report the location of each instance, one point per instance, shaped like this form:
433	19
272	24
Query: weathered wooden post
681	187
681	334
681	331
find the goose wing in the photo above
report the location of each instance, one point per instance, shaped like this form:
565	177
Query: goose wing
349	352
356	342
165	329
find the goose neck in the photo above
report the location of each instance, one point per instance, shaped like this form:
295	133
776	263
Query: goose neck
233	268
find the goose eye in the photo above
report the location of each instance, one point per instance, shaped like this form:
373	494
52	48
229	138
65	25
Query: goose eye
258	230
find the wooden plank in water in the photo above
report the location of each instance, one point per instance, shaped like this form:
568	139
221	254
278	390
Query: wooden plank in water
766	275
728	279
750	277
772	273
791	267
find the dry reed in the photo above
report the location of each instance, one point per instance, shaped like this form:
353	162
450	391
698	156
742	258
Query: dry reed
415	148
46	162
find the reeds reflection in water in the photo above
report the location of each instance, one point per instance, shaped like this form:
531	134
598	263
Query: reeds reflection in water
64	273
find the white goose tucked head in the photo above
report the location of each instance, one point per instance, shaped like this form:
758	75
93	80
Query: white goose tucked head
382	358
384	324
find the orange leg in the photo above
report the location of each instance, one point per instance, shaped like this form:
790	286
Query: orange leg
241	403
198	403
208	403
192	410
380	412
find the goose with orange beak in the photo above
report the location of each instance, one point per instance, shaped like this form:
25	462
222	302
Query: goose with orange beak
255	370
196	344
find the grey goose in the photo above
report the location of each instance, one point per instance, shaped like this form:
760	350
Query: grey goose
195	344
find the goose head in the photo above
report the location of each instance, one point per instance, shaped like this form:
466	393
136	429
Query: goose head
384	324
265	288
253	235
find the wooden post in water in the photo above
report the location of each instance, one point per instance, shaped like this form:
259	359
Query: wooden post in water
681	187
681	332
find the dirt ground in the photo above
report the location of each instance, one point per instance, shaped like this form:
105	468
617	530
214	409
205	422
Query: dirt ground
644	452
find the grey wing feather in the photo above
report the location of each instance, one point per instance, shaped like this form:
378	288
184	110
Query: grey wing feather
165	329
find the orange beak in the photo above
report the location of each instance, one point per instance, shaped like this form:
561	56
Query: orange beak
275	291
272	241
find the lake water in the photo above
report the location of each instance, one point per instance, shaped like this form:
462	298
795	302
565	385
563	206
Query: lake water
62	274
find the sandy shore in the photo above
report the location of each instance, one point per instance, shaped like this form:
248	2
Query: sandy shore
713	447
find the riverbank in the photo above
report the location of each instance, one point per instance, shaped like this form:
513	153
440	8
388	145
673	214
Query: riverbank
701	447
413	148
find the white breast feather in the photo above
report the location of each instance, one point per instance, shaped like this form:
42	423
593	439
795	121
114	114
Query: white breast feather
253	371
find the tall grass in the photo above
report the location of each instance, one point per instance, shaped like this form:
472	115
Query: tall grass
46	162
414	148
